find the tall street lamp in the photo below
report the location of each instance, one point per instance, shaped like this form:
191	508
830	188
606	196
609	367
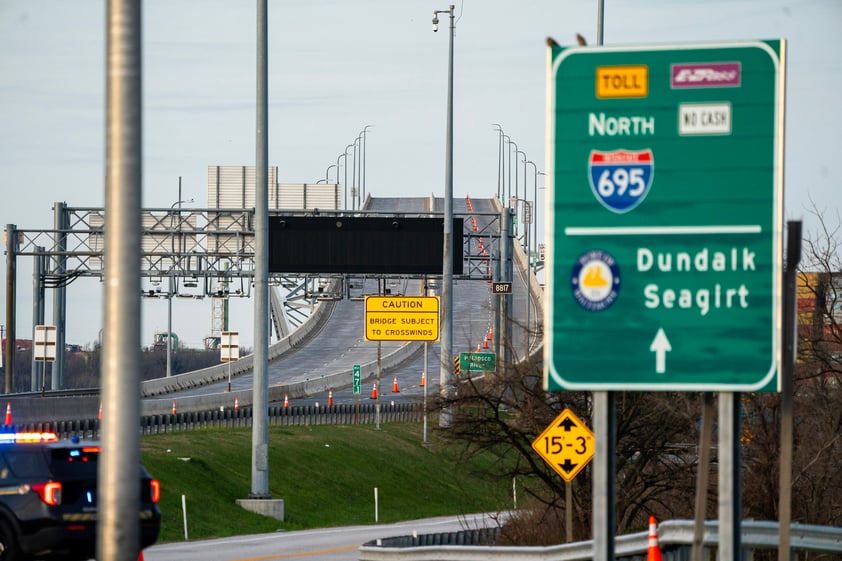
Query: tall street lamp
362	167
355	187
528	278
339	157
524	189
500	169
327	172
345	184
179	202
512	143
535	211
447	265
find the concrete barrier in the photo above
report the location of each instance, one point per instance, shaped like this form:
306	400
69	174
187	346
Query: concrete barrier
162	386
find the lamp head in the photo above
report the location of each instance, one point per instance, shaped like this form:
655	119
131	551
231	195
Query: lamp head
435	22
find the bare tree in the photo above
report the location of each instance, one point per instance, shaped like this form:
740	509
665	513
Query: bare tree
657	433
503	413
817	403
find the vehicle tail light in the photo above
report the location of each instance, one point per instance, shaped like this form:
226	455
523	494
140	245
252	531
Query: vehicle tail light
50	492
155	490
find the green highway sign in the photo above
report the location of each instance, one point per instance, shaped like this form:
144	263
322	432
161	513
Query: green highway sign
665	217
477	361
356	379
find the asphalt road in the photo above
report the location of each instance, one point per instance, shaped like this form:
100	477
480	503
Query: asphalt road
341	344
329	544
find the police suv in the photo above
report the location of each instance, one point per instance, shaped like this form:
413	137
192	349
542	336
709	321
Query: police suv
48	506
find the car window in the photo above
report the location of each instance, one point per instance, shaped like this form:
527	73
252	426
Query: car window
26	463
75	462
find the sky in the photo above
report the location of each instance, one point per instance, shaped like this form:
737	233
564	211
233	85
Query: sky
336	66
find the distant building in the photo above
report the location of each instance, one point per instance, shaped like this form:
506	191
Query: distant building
20	344
819	302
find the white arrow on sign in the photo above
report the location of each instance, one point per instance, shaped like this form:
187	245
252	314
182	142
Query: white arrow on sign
660	346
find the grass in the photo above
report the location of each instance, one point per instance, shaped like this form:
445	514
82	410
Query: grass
326	475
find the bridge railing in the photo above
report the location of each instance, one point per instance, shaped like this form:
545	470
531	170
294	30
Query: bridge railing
344	414
675	538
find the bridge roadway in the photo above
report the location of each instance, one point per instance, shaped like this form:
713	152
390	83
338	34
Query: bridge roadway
323	360
340	344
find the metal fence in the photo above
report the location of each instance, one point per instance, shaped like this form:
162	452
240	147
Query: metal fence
344	414
675	538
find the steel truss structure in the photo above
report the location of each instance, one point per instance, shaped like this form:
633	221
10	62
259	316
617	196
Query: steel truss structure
204	253
210	253
214	245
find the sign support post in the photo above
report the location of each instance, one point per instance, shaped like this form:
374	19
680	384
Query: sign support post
357	390
229	350
665	205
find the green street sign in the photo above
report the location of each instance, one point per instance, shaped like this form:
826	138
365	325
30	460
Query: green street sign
356	379
665	217
477	361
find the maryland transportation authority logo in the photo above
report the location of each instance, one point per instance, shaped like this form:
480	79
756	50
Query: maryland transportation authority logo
595	280
620	179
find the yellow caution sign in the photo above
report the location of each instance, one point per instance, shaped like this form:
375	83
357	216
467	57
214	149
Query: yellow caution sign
567	445
402	318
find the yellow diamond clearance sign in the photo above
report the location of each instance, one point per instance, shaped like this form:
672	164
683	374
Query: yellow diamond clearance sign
567	445
402	318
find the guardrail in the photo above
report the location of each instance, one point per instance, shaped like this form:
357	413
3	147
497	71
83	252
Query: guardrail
344	414
675	538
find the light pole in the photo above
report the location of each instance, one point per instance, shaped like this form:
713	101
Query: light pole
512	143
524	190
346	177
535	211
528	282
339	157
169	279
362	167
355	192
327	172
447	264
499	130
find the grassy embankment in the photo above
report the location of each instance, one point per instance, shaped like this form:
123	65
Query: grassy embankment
326	475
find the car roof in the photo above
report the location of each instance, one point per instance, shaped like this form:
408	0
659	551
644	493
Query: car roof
43	440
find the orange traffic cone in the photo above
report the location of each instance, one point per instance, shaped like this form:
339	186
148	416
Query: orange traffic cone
236	403
490	334
478	347
395	386
99	415
330	398
286	400
173	407
653	553
485	343
374	391
423	379
8	419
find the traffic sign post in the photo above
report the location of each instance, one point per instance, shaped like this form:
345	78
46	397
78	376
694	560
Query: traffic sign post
567	445
665	217
45	343
229	350
401	318
356	379
229	346
501	288
478	361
